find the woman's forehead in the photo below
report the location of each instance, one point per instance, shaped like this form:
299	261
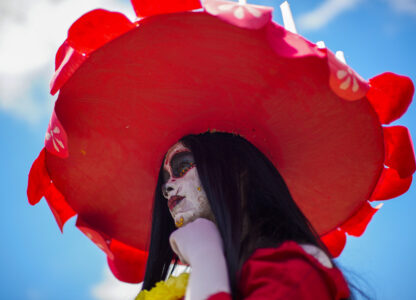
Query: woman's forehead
178	147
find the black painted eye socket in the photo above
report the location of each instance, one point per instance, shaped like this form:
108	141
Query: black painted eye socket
181	163
166	176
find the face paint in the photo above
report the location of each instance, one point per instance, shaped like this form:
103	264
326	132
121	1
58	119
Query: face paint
185	196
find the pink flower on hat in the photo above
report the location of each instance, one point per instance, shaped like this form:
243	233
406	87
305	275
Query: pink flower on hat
56	138
344	81
239	10
348	80
242	15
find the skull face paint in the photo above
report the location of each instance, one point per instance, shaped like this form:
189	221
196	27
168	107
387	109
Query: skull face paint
187	200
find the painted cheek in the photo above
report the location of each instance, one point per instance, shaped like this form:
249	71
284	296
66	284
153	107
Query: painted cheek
201	199
195	204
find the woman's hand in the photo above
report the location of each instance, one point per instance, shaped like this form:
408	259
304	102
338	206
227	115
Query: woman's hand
199	244
196	240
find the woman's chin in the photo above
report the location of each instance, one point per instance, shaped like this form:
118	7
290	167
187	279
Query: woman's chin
184	218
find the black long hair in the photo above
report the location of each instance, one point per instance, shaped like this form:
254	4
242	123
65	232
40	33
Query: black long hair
251	203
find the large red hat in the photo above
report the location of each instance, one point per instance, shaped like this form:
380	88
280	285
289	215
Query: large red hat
128	91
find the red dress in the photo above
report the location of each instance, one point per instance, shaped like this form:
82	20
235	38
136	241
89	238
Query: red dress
288	272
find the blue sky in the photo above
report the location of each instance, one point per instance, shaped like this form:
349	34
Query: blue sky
38	262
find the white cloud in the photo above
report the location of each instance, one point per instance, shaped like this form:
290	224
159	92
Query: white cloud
30	34
112	289
404	6
325	13
20	98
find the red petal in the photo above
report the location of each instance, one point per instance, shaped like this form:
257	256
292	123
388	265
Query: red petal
88	33
59	207
399	150
129	263
390	95
335	241
145	8
357	224
96	28
68	60
98	238
390	185
39	179
60	54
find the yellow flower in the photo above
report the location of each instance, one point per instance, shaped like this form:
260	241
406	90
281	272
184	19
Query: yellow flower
172	289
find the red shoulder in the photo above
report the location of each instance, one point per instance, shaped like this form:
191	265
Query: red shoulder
288	272
220	296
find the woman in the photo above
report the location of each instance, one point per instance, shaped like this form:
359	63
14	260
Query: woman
129	90
225	179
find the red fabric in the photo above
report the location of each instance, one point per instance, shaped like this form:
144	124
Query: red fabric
145	8
288	272
39	179
101	240
220	296
244	16
96	28
59	207
344	81
121	134
399	150
390	95
390	185
357	224
335	241
56	139
87	34
281	41
68	60
128	264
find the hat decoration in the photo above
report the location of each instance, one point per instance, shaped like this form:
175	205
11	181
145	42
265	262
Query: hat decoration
129	90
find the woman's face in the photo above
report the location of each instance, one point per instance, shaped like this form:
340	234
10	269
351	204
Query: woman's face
183	191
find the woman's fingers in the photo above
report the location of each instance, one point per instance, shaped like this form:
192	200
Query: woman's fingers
195	239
